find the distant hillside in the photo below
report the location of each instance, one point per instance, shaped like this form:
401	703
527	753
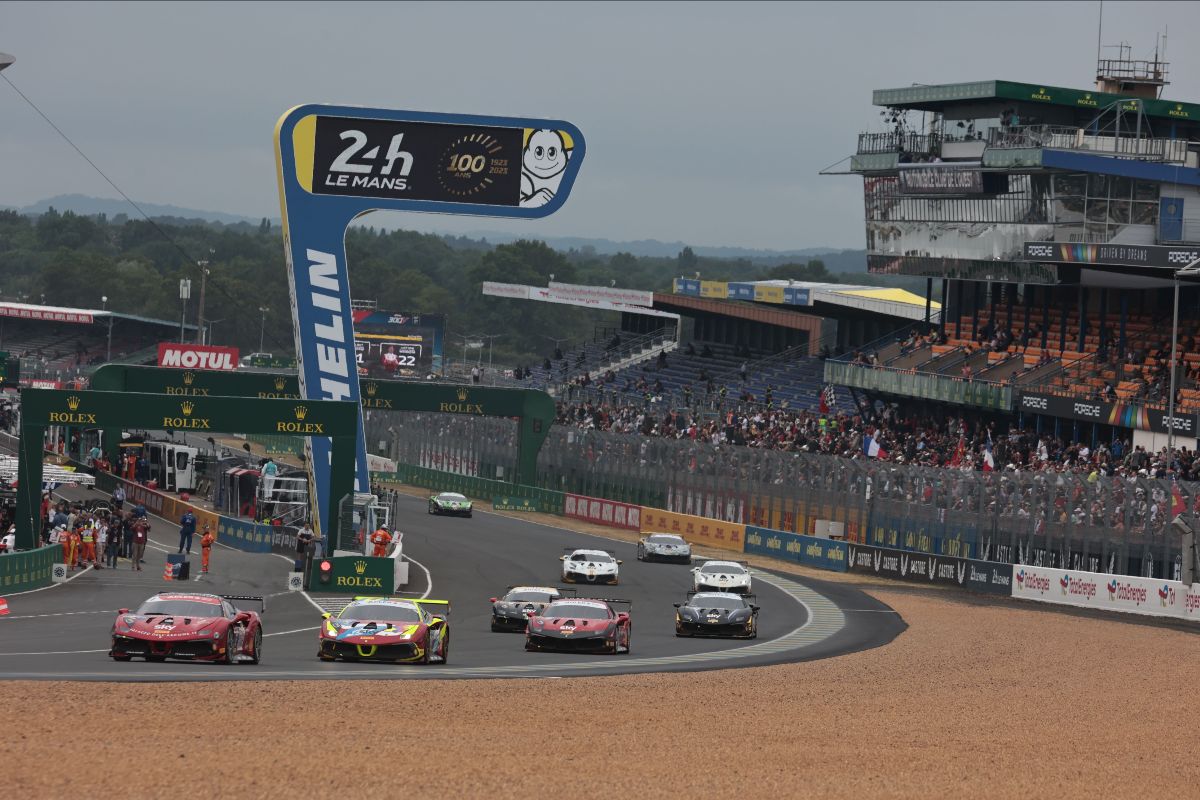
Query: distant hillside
113	207
653	248
835	260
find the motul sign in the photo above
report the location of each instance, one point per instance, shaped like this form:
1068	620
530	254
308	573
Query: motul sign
197	356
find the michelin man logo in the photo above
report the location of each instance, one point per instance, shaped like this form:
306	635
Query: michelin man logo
543	162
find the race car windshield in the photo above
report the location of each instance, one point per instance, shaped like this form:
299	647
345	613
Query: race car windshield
600	558
179	608
577	611
711	601
451	497
722	569
528	597
381	612
665	540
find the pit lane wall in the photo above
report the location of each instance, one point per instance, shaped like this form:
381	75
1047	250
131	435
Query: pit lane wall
240	534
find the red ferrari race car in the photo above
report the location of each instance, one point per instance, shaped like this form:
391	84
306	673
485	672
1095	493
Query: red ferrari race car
387	629
581	625
191	627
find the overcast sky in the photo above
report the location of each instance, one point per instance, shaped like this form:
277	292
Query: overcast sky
705	122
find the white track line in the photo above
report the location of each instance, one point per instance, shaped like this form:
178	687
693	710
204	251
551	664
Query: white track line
59	614
298	630
55	653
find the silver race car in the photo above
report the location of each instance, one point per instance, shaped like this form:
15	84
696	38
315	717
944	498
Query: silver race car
664	547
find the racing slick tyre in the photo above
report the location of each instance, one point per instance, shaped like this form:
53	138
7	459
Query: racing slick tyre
446	648
156	659
257	646
529	646
228	659
122	658
431	511
425	654
325	656
641	553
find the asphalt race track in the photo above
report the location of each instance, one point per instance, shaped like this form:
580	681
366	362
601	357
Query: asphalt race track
63	632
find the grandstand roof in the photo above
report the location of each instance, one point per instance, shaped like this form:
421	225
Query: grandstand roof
875	299
940	96
79	316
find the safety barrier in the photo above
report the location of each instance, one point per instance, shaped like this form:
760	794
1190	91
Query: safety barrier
599	511
807	550
696	530
246	535
547	500
28	569
1146	596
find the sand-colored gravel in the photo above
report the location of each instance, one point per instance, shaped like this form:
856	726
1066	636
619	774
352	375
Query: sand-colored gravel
976	699
972	701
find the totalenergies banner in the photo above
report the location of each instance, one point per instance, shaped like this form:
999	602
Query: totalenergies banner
196	356
1149	596
697	530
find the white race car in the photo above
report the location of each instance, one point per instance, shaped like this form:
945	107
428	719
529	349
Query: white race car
589	566
721	576
664	547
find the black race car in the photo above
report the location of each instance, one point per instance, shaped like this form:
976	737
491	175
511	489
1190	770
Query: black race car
512	611
722	614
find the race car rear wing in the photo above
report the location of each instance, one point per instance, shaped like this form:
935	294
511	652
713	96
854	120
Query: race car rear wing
562	590
252	598
612	553
749	598
612	601
440	607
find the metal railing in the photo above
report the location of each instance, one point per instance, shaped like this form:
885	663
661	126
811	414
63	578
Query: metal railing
904	142
1062	520
1059	137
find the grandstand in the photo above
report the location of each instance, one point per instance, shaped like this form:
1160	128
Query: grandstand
58	345
1056	221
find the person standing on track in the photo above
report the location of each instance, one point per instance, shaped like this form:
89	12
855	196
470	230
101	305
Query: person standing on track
76	546
127	534
113	545
118	497
381	539
100	529
141	532
187	529
206	543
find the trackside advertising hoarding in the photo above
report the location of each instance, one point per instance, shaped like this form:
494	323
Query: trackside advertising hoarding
697	530
1149	596
987	577
808	550
196	356
603	512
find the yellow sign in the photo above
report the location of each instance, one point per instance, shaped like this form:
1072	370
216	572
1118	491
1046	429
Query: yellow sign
697	530
768	294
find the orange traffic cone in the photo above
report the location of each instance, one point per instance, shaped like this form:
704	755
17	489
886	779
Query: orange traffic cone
169	573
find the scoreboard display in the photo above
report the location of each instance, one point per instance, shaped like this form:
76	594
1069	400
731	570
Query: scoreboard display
391	344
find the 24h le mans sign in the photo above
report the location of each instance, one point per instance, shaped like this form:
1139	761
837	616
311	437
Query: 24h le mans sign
336	163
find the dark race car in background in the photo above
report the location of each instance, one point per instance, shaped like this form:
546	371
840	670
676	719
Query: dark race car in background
512	611
722	614
581	625
387	629
450	504
189	627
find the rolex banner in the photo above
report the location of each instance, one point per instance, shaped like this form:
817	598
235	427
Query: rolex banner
355	575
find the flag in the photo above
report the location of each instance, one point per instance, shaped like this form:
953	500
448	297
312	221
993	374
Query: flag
871	447
828	398
989	463
960	452
1178	506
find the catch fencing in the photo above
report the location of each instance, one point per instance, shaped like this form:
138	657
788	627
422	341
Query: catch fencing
1051	520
